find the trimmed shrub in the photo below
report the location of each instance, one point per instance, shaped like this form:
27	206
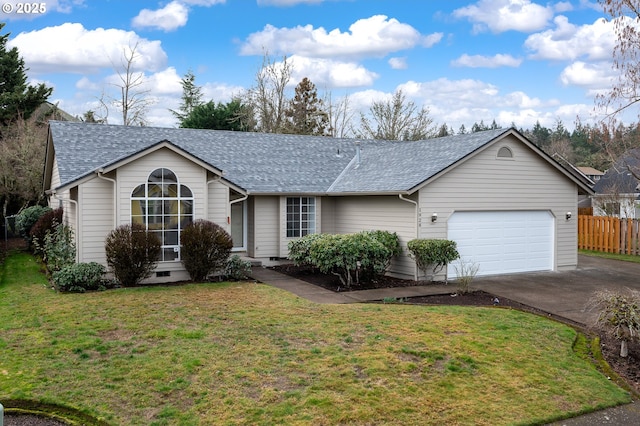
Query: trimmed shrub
132	253
205	248
46	223
390	240
299	250
58	249
27	218
432	255
349	256
80	277
237	269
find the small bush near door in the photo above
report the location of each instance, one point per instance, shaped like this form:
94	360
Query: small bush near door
132	253
205	248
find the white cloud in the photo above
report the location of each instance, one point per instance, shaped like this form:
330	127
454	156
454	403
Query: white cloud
171	17
479	61
563	6
568	41
74	49
331	74
165	82
376	36
504	15
398	63
593	76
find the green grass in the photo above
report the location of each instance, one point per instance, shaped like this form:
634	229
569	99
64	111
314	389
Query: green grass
242	353
615	256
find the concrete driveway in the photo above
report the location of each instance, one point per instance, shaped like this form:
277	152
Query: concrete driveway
565	293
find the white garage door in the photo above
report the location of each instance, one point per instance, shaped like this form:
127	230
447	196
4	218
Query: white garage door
503	242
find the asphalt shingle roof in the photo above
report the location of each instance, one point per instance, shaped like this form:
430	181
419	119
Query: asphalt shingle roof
270	163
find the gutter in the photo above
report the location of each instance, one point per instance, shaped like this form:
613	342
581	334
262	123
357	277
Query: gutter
417	223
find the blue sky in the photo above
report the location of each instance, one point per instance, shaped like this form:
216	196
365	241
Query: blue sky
515	61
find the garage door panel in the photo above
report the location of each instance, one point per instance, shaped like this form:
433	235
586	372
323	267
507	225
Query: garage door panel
503	242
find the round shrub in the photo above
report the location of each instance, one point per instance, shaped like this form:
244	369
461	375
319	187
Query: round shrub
205	248
80	277
432	255
132	253
27	218
351	257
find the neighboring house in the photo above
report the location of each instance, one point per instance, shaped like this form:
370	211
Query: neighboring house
591	173
617	192
503	200
587	175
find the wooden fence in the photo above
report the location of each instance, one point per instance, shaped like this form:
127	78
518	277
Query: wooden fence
609	234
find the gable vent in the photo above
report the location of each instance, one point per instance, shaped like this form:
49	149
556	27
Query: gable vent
505	152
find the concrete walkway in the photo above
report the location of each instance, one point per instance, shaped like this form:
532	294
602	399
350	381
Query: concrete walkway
318	294
564	294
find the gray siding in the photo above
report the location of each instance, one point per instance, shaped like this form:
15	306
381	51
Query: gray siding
266	230
387	213
218	204
96	218
485	182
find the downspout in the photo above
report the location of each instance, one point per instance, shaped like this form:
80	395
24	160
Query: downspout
417	221
77	226
115	196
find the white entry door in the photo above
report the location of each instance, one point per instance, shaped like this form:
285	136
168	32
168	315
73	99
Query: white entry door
503	242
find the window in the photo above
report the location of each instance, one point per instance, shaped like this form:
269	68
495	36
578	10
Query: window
164	207
505	152
301	216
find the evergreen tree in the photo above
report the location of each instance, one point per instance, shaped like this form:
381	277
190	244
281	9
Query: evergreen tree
305	114
16	97
191	97
216	116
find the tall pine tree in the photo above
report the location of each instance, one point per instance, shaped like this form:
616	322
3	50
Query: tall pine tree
305	114
17	98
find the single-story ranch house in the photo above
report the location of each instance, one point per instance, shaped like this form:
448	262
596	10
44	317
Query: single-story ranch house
509	206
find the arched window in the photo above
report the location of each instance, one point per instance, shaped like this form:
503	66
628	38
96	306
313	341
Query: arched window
164	207
505	152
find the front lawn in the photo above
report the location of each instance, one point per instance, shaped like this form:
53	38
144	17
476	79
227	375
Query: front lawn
242	353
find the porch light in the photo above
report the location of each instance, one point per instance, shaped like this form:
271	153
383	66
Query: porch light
434	217
568	215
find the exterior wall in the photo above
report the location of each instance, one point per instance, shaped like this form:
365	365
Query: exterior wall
96	218
264	234
485	182
328	219
387	213
218	203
